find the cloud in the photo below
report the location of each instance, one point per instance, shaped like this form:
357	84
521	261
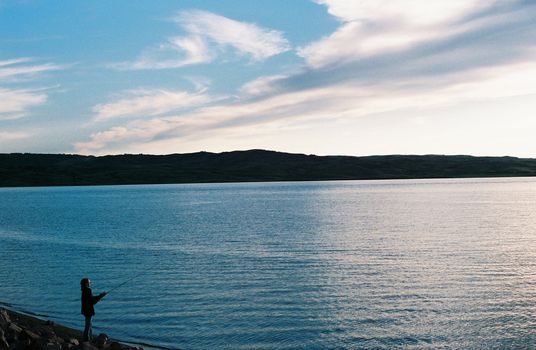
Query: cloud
262	86
246	38
143	102
22	67
371	27
9	136
471	46
15	102
208	35
288	110
282	109
176	52
137	130
421	12
460	53
200	83
10	62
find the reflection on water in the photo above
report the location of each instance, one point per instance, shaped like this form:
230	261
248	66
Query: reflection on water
420	264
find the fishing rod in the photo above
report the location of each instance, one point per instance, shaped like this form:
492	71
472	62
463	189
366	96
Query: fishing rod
147	270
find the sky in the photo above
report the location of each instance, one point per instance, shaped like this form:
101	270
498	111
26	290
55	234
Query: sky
326	77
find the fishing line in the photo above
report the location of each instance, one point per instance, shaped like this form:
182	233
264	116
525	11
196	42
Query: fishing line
147	270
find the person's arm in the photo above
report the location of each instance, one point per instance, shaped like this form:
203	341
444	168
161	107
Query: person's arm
98	297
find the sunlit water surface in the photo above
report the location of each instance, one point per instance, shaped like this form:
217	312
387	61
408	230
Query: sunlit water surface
420	264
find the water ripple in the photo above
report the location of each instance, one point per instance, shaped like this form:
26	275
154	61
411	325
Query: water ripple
426	264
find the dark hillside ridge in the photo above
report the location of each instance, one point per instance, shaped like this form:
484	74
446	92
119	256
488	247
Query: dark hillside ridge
244	166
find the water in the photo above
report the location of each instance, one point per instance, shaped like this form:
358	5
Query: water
420	264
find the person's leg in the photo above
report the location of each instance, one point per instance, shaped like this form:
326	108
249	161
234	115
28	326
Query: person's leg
88	333
90	330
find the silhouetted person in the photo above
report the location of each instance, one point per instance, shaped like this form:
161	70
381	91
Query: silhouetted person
88	300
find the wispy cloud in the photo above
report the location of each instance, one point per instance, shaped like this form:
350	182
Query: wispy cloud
289	110
23	67
4	63
282	109
372	27
246	38
176	52
460	51
137	130
208	34
474	42
9	136
262	86
144	102
200	83
14	102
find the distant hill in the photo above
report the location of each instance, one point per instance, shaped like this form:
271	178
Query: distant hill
243	166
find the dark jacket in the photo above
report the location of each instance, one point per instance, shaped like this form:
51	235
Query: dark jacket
88	300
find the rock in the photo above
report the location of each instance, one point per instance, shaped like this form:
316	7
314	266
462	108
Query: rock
53	346
88	346
3	342
47	332
28	340
101	340
25	344
4	318
115	346
26	334
23	332
13	327
12	332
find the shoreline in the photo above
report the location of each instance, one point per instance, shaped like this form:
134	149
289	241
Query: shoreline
491	177
22	331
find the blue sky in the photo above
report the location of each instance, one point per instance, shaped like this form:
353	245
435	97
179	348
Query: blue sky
321	76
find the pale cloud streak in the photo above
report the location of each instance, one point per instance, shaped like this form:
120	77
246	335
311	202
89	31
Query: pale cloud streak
246	38
176	52
262	85
22	67
144	102
209	34
14	102
10	136
4	63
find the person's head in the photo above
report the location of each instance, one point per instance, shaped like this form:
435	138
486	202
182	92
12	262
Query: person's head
85	283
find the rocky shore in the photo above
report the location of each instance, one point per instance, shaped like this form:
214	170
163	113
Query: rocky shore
19	332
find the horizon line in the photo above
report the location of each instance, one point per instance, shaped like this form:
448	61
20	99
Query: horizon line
272	151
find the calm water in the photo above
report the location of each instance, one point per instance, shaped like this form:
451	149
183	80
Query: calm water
421	264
